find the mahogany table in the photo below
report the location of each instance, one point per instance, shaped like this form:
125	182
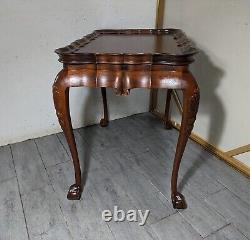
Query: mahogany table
123	60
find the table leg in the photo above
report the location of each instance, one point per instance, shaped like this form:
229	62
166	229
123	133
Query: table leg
61	101
153	100
190	107
105	120
167	120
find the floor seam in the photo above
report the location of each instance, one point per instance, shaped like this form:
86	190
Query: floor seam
57	164
107	223
214	232
228	221
240	231
214	209
154	180
178	213
63	146
225	186
60	207
21	200
7	179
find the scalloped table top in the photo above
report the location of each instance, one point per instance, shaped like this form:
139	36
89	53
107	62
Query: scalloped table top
130	46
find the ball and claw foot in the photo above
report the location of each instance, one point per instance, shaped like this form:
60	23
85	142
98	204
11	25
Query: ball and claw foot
178	201
104	122
74	192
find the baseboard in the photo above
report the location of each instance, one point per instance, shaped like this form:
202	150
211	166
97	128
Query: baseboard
236	164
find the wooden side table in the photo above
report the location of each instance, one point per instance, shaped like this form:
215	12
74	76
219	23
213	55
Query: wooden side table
123	60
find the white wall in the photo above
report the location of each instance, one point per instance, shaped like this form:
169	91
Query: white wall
221	30
30	31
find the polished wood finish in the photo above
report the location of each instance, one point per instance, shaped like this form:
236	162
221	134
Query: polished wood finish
61	101
105	120
167	120
239	150
123	60
130	46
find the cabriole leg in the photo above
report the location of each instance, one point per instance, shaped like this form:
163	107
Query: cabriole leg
105	120
61	102
167	120
190	107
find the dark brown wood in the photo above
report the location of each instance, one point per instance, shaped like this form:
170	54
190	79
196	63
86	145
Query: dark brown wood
167	120
153	100
105	120
130	46
123	60
61	100
191	98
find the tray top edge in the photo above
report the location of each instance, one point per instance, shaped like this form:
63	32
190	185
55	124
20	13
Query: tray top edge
187	48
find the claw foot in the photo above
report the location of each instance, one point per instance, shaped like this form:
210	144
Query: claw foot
104	122
178	201
74	192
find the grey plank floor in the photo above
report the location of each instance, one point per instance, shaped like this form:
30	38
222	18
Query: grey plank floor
128	164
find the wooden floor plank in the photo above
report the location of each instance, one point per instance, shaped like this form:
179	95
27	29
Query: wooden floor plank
51	150
204	162
175	227
104	187
109	194
6	164
159	172
128	231
12	221
83	217
127	164
132	128
204	219
43	214
227	233
163	144
86	152
63	141
233	209
236	183
138	191
96	136
115	160
29	167
190	175
199	215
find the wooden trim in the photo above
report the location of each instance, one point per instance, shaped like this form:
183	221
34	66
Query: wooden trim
159	19
236	164
239	150
177	101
